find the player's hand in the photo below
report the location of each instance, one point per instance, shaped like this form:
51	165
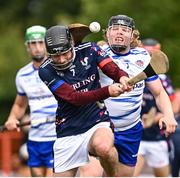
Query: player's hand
115	89
12	124
124	82
168	124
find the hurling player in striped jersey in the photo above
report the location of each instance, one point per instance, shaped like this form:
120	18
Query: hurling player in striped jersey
125	109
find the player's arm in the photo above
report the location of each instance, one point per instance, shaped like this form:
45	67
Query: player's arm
17	112
106	64
176	102
164	104
112	70
66	92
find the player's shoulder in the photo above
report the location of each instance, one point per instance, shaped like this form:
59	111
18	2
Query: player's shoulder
139	51
45	63
105	47
25	70
87	46
82	46
45	67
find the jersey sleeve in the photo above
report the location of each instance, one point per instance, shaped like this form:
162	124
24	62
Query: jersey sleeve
101	57
106	64
19	87
50	78
66	92
149	79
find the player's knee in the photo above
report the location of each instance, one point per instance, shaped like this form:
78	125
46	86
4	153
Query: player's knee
103	150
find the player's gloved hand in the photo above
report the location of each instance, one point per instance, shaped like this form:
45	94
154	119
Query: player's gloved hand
115	89
124	82
12	124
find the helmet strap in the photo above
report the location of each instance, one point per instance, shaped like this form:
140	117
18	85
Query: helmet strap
37	58
65	65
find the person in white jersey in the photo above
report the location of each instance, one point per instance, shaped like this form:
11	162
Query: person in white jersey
125	110
42	104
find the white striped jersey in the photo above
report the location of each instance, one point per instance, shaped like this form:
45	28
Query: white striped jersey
125	109
42	103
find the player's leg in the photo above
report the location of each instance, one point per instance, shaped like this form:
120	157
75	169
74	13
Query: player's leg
158	158
101	144
139	165
49	172
40	158
38	171
127	144
47	157
69	154
162	171
92	169
141	158
69	173
34	160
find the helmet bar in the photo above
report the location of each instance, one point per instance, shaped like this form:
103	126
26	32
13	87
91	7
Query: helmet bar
58	40
122	20
60	51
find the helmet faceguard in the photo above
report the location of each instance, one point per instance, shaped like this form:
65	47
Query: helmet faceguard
58	41
67	64
35	34
119	34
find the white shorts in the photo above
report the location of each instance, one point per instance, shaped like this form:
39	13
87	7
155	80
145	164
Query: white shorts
155	153
72	151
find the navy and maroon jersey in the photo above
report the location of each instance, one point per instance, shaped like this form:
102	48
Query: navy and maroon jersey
75	118
153	133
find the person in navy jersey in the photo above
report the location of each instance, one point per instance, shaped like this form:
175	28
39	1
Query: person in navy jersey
82	121
154	147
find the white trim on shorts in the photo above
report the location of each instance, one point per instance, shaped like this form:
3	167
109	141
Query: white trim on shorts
155	153
72	151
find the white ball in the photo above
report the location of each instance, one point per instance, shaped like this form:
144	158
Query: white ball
94	27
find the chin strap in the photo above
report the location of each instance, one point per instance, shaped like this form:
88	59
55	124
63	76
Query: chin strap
62	66
38	58
117	48
65	65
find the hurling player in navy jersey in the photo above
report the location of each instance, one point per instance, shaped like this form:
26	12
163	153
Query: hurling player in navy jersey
82	121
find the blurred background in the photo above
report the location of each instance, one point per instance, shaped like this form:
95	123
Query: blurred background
154	18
